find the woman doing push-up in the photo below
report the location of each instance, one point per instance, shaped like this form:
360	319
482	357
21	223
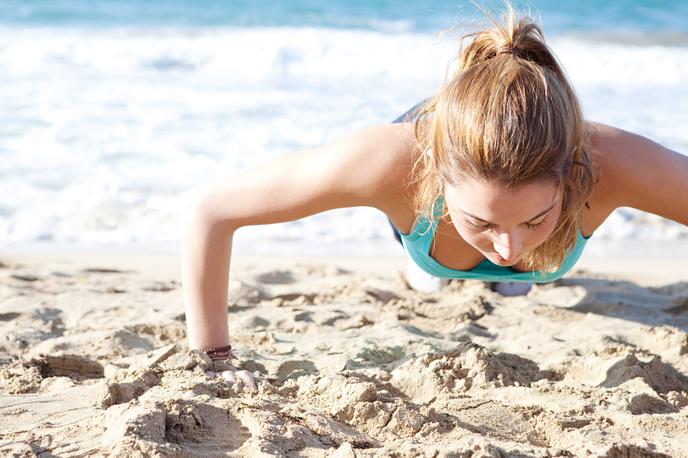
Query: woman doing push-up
496	177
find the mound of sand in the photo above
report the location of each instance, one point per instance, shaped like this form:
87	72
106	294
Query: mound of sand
93	361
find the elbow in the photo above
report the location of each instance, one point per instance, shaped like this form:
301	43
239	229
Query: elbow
207	211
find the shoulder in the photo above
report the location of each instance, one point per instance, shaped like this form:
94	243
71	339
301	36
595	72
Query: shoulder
398	185
608	151
381	171
637	172
380	164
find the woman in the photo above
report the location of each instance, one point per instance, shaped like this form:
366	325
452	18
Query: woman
496	177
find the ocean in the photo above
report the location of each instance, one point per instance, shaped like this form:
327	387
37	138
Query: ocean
114	113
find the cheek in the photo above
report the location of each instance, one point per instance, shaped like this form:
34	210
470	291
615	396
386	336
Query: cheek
478	240
533	238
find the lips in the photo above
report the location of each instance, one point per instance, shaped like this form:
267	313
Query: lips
501	260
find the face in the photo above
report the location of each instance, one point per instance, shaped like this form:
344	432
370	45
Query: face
503	224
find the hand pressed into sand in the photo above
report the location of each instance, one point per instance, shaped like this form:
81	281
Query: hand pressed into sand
234	376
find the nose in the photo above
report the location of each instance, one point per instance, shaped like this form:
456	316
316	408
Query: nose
508	245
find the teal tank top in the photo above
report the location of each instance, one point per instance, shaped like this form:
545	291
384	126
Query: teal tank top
417	245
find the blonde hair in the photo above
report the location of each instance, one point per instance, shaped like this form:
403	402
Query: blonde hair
508	113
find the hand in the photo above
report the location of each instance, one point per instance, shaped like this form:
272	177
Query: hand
233	375
221	358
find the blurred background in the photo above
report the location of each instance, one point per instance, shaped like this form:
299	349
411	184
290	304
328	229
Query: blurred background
113	112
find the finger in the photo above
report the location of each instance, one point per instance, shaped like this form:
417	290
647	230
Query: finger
247	379
229	376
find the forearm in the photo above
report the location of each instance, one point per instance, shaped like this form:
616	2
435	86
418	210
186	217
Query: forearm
206	251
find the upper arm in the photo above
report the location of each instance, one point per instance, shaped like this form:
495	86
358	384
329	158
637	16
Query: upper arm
642	174
360	169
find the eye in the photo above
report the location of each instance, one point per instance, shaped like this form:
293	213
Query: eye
484	227
478	226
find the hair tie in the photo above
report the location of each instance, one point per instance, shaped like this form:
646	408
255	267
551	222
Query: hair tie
508	49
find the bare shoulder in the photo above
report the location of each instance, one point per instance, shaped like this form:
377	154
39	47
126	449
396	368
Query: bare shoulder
382	168
637	172
603	157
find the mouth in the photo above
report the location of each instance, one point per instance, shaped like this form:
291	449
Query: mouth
503	262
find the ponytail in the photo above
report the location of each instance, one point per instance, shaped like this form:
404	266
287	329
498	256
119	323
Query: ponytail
509	114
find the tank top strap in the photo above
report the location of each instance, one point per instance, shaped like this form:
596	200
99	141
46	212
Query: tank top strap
437	207
429	234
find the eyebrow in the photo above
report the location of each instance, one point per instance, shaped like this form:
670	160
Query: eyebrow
531	219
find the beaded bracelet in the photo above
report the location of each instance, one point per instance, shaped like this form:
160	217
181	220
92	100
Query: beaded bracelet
219	353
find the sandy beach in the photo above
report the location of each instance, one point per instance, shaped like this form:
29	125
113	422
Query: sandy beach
118	115
351	362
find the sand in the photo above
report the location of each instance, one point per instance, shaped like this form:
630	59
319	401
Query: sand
351	362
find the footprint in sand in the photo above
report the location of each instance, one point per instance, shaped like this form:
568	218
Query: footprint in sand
105	270
610	372
276	277
178	427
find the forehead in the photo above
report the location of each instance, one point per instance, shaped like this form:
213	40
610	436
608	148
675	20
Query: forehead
493	201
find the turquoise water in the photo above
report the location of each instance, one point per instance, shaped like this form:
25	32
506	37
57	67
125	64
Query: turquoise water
398	15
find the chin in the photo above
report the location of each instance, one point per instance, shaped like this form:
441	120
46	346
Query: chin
496	259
